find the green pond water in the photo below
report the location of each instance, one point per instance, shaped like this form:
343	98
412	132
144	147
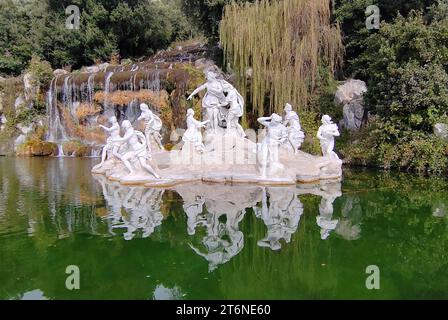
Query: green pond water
199	241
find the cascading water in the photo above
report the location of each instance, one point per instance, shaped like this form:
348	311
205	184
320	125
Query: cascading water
56	131
108	110
91	88
60	151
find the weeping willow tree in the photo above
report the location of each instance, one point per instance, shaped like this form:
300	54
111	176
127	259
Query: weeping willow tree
277	49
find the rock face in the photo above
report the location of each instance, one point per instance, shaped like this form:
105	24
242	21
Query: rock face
59	72
441	131
350	96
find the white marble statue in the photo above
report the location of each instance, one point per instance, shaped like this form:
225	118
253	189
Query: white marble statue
153	125
235	104
327	131
220	99
193	134
137	150
268	150
111	146
295	133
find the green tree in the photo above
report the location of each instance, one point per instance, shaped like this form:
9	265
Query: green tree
351	15
207	14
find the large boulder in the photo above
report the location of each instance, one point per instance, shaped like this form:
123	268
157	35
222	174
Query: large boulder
350	96
350	90
441	131
92	69
353	115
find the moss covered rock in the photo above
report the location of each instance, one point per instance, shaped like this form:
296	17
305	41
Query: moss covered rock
37	148
76	149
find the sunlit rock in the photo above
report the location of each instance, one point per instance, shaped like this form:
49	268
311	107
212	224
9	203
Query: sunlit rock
441	131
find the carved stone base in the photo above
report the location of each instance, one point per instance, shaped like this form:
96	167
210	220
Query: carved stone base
230	166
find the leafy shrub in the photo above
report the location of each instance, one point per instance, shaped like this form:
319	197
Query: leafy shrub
41	72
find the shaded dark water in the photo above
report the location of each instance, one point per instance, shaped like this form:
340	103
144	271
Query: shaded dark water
219	242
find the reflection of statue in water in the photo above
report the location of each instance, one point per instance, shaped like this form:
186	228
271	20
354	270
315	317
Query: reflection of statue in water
268	150
153	125
324	219
195	218
223	241
137	150
142	207
111	146
112	193
295	133
281	218
327	131
222	103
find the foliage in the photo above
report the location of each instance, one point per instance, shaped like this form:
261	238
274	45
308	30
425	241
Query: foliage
406	65
132	28
206	15
423	153
284	43
41	72
351	15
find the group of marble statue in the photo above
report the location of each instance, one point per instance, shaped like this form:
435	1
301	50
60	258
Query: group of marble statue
223	107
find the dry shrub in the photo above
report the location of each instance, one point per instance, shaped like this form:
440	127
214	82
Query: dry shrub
85	110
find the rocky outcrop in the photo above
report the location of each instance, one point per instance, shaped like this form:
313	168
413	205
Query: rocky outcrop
59	72
37	148
441	131
350	96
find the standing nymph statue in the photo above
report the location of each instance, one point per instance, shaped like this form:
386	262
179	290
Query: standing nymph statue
295	133
111	146
193	134
153	125
327	131
268	150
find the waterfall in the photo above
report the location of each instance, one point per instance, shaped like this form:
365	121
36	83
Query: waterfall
60	150
96	152
91	88
132	111
107	109
133	82
154	84
56	131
